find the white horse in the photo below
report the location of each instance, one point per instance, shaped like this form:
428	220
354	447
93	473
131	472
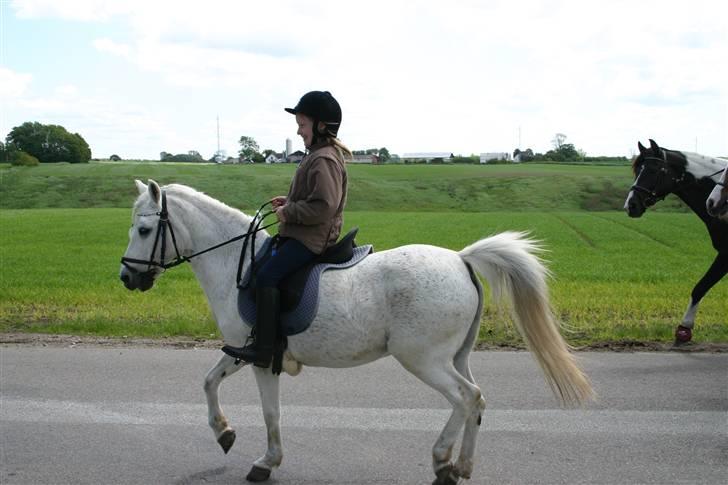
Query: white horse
717	201
420	304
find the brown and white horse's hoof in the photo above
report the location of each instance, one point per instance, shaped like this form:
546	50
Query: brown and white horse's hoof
258	474
226	440
683	335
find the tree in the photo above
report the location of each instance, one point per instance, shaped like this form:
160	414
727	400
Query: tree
559	139
384	155
249	149
49	143
565	153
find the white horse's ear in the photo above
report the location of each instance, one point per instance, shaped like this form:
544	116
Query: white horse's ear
641	147
154	191
140	186
654	146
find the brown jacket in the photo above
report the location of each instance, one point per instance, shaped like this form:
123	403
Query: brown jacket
315	203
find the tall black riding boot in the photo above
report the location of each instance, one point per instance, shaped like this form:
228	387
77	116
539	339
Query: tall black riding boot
260	352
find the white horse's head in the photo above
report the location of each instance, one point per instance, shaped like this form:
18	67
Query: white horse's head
149	239
717	202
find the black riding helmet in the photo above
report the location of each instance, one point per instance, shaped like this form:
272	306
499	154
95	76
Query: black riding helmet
321	107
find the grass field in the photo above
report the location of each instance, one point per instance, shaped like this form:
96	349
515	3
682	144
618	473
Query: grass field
614	278
449	188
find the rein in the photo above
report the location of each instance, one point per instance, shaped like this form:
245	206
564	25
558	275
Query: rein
161	234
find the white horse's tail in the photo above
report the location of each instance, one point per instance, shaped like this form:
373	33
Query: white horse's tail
508	261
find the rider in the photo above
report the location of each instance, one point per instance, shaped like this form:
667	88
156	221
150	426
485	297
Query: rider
310	216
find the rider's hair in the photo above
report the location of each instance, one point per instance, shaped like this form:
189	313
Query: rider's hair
343	149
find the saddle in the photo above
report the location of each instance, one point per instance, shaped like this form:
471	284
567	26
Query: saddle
299	291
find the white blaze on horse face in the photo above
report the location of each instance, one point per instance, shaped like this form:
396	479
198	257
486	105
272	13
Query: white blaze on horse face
626	201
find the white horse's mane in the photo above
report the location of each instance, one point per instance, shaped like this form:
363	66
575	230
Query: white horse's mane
183	193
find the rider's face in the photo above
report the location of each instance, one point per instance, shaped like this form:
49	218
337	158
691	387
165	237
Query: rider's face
305	129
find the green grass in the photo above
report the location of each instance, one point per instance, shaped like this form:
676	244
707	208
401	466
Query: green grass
456	188
615	278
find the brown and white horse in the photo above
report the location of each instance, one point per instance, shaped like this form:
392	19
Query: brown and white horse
659	172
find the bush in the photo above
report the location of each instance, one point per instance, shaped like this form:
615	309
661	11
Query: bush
22	159
49	143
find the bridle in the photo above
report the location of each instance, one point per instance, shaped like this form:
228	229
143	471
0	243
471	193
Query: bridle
165	224
652	197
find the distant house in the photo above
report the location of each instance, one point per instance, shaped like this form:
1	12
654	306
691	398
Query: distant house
427	157
275	158
295	157
373	159
493	156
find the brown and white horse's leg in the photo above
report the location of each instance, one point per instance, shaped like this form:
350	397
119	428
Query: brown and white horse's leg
465	399
269	388
224	434
715	273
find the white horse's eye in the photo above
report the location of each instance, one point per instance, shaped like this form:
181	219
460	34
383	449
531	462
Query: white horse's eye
143	231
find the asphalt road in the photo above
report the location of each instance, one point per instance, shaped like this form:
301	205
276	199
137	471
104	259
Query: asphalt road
138	416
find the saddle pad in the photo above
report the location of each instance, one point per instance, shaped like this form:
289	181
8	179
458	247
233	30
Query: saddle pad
299	319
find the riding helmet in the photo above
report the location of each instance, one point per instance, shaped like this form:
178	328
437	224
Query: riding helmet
321	106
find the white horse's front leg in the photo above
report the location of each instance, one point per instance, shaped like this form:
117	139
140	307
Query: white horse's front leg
269	388
224	434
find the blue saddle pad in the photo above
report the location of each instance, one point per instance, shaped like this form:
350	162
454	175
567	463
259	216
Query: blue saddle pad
299	318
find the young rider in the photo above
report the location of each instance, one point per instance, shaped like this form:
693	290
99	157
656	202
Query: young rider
310	216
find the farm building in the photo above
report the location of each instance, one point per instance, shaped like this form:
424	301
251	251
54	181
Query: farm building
491	156
373	159
275	158
295	157
427	157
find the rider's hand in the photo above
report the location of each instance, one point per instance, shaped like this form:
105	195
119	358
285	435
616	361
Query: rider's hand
279	213
278	201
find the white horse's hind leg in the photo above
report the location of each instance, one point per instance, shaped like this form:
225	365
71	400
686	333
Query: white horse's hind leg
224	434
464	464
269	388
465	399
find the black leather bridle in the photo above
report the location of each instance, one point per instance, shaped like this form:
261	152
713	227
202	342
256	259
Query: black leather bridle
165	224
651	195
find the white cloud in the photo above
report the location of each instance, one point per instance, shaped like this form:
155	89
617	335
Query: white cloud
460	76
13	84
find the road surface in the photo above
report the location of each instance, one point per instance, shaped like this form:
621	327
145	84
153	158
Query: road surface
138	416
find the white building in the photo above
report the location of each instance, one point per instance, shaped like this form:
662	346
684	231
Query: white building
427	157
490	156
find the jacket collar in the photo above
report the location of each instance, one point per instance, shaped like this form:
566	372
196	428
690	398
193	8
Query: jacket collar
317	145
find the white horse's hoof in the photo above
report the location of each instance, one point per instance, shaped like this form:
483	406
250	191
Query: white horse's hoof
226	440
446	476
258	474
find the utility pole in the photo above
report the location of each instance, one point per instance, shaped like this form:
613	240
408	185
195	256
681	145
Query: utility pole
218	135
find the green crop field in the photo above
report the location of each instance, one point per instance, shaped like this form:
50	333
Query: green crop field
614	278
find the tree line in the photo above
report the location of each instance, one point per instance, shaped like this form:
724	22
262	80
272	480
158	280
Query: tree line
32	143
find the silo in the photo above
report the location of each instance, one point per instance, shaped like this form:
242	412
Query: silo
288	146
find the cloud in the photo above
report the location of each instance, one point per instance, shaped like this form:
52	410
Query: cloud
460	76
13	84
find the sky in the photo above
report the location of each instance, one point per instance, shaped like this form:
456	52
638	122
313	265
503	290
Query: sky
138	77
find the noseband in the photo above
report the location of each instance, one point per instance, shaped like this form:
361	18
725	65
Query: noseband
161	235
